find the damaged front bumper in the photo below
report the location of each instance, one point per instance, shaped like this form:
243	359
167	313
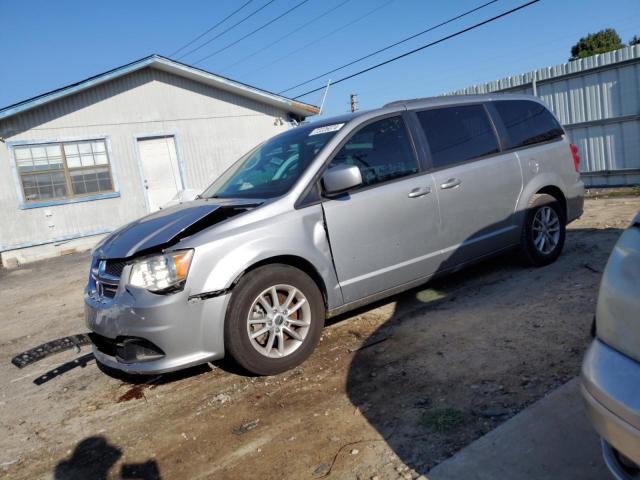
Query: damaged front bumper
141	332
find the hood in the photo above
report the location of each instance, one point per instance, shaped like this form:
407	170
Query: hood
168	226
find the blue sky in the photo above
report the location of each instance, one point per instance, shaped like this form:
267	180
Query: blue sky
47	44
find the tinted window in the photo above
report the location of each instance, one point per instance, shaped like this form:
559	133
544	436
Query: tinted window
458	134
382	151
527	122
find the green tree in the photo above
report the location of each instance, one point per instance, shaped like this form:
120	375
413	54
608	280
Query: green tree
594	43
635	40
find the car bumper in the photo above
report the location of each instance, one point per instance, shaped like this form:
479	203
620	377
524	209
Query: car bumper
611	390
141	332
575	201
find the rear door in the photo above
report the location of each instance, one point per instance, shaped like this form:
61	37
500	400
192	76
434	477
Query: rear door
384	233
477	185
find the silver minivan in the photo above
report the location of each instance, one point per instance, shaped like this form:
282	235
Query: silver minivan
324	218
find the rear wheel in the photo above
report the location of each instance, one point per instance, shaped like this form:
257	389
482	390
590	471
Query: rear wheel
274	320
543	233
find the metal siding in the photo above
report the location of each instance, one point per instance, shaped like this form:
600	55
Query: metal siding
212	129
603	89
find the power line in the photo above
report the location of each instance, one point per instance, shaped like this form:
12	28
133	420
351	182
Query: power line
348	24
210	29
252	32
398	57
551	43
304	25
225	31
457	17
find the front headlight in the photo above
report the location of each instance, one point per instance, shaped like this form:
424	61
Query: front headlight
162	272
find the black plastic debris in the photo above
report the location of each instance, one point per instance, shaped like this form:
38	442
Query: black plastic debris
246	427
54	346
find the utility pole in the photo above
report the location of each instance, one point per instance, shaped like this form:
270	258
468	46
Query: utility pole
354	102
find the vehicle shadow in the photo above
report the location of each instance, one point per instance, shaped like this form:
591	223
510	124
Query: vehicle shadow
457	356
84	360
159	379
94	457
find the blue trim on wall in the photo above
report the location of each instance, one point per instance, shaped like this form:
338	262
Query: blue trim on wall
8	248
51	203
24	205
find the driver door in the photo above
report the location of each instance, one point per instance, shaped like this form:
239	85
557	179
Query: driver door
382	234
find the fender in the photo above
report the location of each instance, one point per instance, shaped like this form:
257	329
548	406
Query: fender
221	261
537	183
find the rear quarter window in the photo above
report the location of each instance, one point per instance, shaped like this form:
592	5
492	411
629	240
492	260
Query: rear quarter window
527	123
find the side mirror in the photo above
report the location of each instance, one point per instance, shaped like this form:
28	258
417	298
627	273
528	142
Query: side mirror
341	178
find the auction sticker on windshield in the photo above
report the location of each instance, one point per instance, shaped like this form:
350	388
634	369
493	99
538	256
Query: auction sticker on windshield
326	129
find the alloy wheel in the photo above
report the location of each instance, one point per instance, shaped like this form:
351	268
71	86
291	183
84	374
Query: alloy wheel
546	230
278	321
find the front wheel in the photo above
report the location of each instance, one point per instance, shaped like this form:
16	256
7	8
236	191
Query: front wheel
544	231
274	320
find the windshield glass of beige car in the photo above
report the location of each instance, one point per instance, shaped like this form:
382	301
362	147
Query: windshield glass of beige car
272	168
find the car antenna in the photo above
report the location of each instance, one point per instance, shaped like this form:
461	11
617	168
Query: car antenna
324	97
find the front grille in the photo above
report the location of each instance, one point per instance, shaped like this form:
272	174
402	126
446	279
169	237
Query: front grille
114	268
104	344
107	290
127	349
105	277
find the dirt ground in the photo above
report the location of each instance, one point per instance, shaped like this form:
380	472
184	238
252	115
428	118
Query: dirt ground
391	391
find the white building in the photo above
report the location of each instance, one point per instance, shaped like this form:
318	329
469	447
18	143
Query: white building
80	161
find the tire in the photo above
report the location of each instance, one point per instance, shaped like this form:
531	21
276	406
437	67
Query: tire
544	214
253	296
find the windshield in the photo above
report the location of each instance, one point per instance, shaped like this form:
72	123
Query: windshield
271	169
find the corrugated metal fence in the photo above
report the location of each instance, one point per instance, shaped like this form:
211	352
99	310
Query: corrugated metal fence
598	101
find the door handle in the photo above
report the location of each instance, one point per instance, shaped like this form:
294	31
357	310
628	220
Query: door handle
451	183
419	192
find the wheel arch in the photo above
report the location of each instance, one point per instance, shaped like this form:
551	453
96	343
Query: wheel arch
556	193
544	182
293	261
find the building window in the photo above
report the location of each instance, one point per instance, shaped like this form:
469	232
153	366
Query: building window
66	170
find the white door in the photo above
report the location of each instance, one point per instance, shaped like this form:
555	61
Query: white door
160	170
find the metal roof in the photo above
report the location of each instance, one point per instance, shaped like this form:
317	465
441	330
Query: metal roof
171	66
574	68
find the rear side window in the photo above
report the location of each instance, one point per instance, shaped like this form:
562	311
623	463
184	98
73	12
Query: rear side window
527	122
458	134
382	151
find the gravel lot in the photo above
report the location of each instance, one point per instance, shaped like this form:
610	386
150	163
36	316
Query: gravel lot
391	391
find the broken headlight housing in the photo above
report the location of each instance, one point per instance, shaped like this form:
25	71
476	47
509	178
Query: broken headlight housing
162	273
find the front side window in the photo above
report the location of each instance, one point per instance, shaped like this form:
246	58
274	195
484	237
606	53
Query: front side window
458	134
527	122
381	150
272	168
65	170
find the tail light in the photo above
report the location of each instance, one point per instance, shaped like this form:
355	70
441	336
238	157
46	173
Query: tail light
576	157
